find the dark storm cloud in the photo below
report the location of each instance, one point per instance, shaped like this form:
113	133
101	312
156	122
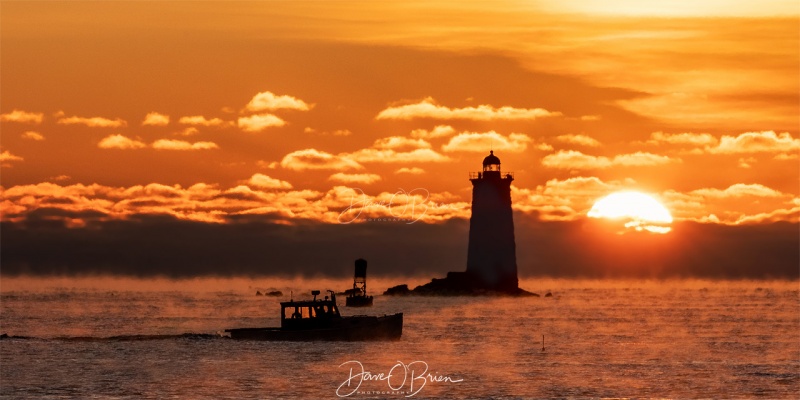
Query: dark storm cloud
147	246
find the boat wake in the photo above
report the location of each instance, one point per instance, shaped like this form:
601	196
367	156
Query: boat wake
121	338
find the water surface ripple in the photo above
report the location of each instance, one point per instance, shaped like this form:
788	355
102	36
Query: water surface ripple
665	340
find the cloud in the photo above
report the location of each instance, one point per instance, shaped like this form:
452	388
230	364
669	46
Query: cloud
338	132
22	117
259	122
312	159
694	139
120	142
641	159
437	132
206	226
581	140
782	215
171	144
156	119
203	248
564	200
392	156
188	131
732	205
411	171
385	150
266	101
786	157
571	199
571	159
60	178
747	162
398	142
93	122
428	108
482	142
273	201
152	245
544	147
31	135
267	164
262	181
738	190
583	187
757	142
202	121
6	156
354	178
745	143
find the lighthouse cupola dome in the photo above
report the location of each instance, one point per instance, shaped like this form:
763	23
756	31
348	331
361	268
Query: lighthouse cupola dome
491	162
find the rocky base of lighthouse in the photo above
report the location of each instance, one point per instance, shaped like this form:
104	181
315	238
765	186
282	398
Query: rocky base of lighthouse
459	284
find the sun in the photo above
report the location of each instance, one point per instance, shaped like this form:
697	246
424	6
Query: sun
639	211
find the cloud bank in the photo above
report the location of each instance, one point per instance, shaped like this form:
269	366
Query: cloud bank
267	101
24	117
149	246
428	108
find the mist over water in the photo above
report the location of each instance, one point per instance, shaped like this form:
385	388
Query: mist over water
603	338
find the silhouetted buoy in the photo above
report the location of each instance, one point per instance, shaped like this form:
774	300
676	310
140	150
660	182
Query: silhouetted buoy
542	342
258	293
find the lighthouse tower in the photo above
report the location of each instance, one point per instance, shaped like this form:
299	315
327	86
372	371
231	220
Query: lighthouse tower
492	257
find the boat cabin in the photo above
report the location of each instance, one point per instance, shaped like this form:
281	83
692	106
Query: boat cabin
309	313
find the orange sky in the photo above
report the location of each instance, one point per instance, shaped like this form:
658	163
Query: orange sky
211	110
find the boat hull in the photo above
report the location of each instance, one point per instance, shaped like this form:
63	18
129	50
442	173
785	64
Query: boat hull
359	328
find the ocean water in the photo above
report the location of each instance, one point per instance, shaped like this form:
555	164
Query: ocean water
653	339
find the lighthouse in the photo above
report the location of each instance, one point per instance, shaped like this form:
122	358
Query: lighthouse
491	254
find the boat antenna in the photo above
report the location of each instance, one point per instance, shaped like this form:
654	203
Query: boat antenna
291	295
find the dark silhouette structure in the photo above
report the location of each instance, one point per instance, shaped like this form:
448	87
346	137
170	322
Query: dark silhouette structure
319	319
357	296
492	254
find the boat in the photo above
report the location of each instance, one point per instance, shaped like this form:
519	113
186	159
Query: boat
319	319
357	296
